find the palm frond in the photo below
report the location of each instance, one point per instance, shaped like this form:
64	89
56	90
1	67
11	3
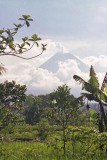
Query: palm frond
80	80
94	93
104	84
77	78
90	97
85	85
102	96
2	69
93	78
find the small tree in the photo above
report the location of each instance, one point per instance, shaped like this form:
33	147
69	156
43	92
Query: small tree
12	96
33	109
64	107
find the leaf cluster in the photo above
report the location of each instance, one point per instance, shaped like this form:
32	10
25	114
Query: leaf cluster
8	46
11	93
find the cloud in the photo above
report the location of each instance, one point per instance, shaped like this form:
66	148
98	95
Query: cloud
41	81
67	69
27	72
52	48
99	62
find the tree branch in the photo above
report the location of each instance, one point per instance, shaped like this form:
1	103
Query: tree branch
20	56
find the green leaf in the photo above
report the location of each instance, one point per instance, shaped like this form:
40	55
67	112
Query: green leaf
15	24
34	37
13	33
38	39
44	47
96	94
2	47
11	45
27	43
21	19
37	44
102	96
22	45
92	112
26	17
30	19
19	25
8	32
93	78
31	39
25	39
89	96
20	51
27	23
16	29
1	31
105	89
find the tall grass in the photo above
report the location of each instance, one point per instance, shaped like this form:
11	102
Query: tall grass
41	151
81	144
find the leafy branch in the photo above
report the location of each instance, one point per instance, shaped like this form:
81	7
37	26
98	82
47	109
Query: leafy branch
8	45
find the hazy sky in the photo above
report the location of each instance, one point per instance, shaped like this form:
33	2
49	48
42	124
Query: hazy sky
81	19
76	26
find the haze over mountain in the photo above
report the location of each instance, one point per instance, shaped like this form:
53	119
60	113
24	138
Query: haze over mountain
53	64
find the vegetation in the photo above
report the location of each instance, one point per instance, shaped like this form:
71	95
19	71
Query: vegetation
12	96
9	46
96	94
54	126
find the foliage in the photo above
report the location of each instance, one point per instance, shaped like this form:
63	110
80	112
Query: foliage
43	129
64	109
58	126
104	85
12	96
8	45
33	109
94	93
93	78
37	107
64	105
82	142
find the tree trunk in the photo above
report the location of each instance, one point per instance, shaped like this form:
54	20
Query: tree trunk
103	116
101	125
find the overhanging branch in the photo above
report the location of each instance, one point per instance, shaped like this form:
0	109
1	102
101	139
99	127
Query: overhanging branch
9	54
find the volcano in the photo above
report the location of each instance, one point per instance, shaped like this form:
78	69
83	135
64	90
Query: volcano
52	64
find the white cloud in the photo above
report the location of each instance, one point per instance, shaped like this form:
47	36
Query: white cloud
27	72
35	79
40	81
99	61
67	69
51	48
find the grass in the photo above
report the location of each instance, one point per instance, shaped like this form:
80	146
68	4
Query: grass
40	151
82	144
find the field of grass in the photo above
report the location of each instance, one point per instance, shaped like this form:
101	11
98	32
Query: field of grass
26	143
40	151
37	151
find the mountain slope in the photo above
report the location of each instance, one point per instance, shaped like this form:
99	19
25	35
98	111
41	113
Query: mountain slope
52	64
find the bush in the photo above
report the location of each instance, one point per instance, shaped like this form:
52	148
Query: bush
43	129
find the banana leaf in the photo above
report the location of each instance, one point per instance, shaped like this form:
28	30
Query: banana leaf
95	93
